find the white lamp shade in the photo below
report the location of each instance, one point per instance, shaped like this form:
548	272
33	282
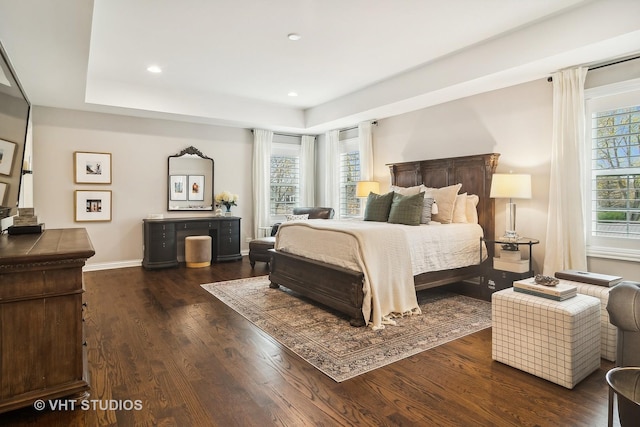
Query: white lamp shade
511	186
363	188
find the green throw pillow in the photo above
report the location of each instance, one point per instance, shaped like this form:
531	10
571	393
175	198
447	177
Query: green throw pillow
406	209
378	207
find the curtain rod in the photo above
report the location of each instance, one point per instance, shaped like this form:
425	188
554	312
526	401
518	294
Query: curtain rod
375	123
607	64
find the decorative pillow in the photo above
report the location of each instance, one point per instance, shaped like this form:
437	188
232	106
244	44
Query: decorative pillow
406	209
407	191
460	209
291	217
427	210
445	197
378	206
472	208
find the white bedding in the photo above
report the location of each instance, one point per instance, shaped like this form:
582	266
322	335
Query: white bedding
432	247
394	253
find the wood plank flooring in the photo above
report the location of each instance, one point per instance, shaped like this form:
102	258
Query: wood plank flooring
159	338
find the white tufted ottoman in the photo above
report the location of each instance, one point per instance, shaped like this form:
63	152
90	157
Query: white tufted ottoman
555	340
197	251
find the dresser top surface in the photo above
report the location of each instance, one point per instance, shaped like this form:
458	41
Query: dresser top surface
50	245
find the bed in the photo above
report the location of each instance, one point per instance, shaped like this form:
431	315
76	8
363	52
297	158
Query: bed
341	288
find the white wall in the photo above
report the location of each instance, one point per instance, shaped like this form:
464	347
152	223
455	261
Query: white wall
139	149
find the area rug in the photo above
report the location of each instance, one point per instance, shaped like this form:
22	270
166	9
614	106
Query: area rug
326	340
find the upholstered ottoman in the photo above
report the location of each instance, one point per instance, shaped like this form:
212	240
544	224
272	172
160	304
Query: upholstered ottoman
197	251
555	340
608	332
259	250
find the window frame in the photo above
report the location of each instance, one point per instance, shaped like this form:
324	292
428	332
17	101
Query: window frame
284	149
349	145
604	98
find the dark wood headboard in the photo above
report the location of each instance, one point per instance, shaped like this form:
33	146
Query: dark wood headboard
473	172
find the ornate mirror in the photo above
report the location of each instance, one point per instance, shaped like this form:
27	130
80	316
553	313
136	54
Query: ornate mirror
190	181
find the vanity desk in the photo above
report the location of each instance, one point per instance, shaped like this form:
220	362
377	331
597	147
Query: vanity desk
164	239
42	350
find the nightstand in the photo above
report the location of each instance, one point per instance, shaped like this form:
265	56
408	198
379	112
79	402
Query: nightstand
494	279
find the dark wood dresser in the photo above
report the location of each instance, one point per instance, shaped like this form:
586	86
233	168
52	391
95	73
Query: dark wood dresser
42	351
164	239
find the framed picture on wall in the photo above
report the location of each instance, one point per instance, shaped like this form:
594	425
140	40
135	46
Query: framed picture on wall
92	205
178	187
7	154
3	191
92	168
196	187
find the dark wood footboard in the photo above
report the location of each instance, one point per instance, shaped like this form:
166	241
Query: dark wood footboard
333	286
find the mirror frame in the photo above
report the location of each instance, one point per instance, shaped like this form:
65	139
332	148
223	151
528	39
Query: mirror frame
201	178
13	179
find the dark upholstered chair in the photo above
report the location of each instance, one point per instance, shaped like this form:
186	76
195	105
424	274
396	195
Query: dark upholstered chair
259	248
624	313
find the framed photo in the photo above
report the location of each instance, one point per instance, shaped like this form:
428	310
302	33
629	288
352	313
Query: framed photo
92	168
7	154
4	187
196	187
178	187
92	205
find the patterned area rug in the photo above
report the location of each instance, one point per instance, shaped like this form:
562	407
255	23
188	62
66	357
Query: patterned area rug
325	339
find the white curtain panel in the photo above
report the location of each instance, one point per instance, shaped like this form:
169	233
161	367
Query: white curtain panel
365	142
332	174
307	170
565	243
262	140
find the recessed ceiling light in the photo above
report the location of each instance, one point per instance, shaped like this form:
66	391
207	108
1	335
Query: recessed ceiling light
292	94
294	36
154	69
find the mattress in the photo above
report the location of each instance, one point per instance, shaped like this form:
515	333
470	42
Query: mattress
432	247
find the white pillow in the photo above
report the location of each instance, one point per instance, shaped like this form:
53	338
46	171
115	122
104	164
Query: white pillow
460	209
445	197
472	208
292	217
406	191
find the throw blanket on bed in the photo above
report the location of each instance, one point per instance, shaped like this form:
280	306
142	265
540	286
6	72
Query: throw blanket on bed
383	256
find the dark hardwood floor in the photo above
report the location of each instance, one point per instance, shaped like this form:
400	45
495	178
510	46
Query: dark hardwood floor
157	337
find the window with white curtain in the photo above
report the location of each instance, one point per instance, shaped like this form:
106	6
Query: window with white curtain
613	171
285	178
349	176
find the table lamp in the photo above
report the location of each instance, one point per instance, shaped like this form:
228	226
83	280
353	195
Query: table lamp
511	186
363	188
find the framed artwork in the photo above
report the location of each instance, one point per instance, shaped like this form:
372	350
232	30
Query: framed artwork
92	205
3	191
196	187
178	187
7	153
92	168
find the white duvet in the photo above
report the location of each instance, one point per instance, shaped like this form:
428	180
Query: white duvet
389	255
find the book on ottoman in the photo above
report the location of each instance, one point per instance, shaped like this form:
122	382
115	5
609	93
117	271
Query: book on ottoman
588	277
559	292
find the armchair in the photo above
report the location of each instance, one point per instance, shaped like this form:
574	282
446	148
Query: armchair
624	313
259	248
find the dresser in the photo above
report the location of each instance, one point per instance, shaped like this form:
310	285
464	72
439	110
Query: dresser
164	239
42	346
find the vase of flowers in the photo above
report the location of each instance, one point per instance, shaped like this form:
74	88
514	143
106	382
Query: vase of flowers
227	200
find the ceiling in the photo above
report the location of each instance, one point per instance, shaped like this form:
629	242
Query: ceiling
231	63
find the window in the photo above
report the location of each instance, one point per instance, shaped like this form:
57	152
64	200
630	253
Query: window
285	178
613	172
349	177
